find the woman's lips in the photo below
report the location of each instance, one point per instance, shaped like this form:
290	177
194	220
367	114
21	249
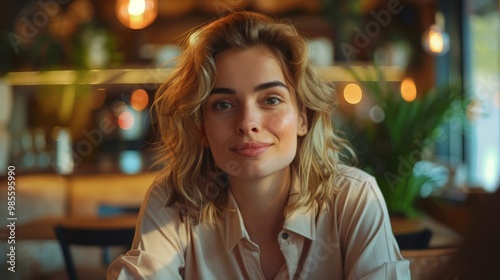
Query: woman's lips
251	149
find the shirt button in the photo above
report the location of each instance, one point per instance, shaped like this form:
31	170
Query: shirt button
285	235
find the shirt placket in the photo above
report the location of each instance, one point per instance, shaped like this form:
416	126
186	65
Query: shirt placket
291	246
251	258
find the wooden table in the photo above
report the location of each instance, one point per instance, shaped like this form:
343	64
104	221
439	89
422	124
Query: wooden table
43	228
442	235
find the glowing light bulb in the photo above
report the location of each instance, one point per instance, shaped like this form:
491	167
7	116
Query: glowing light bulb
136	14
136	7
435	40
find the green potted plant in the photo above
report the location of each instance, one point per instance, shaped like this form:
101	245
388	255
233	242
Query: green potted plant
390	143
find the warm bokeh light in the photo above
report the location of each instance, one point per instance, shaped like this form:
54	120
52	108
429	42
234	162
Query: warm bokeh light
136	7
353	93
136	14
408	89
126	120
436	41
139	99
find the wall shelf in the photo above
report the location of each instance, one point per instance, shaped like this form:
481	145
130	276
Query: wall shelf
157	75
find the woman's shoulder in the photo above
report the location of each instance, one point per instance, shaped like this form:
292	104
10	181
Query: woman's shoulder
356	189
157	195
351	173
159	209
161	200
158	187
352	183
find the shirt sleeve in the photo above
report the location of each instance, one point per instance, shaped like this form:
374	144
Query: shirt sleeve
159	242
370	249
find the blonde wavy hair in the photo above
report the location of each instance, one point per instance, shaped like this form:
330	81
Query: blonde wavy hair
193	181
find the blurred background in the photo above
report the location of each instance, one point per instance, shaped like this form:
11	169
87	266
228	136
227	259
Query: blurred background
417	81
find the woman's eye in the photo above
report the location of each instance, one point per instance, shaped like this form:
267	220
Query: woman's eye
223	105
273	101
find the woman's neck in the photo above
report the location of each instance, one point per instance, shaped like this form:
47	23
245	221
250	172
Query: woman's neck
261	202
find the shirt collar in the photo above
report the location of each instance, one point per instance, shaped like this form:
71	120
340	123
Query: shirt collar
302	221
235	228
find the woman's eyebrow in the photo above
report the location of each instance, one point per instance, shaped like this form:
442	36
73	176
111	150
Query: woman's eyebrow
223	90
268	85
260	87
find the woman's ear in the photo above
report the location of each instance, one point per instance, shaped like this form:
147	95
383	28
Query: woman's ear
302	126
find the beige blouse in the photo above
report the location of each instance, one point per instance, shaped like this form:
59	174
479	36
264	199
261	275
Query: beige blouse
350	239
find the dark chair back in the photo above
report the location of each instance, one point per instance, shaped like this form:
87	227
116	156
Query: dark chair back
107	210
415	240
68	236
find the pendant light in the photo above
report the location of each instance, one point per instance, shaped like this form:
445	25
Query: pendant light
136	14
435	40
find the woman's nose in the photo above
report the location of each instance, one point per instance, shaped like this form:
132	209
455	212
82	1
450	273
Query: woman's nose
248	120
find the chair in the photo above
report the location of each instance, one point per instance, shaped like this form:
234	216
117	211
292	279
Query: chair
109	210
415	240
68	236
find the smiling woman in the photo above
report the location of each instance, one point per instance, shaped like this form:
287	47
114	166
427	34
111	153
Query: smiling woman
251	117
254	185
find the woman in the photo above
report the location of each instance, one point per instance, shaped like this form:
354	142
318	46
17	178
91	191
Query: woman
253	185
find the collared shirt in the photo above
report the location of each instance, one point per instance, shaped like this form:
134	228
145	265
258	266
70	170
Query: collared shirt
351	238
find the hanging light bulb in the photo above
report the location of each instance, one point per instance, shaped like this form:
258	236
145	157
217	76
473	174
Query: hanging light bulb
435	40
136	14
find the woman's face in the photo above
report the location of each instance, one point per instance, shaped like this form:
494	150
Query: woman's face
251	117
